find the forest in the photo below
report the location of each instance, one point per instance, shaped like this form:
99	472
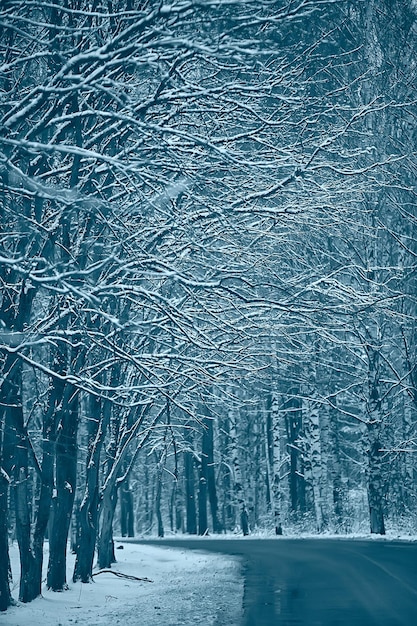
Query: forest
208	246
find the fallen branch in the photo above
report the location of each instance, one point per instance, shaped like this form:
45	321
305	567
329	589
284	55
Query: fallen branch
120	575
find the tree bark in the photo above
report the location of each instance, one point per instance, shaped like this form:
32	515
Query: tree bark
63	500
126	510
208	449
5	594
276	463
105	543
375	481
191	513
238	487
28	589
158	497
89	508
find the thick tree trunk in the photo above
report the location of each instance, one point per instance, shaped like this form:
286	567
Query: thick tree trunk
105	544
29	589
127	524
375	481
208	449
63	500
89	508
5	594
42	514
293	425
314	459
238	487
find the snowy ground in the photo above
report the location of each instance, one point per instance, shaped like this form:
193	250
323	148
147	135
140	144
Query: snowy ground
188	588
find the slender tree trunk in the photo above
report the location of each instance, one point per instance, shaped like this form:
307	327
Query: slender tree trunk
202	493
228	508
191	513
374	424
158	497
276	463
338	491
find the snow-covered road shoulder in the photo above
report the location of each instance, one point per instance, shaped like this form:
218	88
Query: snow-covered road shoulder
188	588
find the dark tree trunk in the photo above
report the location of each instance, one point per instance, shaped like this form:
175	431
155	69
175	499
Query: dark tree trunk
28	589
43	512
293	424
375	484
63	500
88	514
7	446
202	498
5	595
46	482
228	508
191	513
105	545
375	489
336	472
127	524
158	503
208	449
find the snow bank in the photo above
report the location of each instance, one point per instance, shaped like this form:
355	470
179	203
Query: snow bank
188	588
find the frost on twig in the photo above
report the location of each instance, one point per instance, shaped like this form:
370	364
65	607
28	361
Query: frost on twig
121	575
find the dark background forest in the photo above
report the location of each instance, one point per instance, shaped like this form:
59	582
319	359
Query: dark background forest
207	272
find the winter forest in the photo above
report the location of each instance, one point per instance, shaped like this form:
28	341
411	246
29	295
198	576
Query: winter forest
208	273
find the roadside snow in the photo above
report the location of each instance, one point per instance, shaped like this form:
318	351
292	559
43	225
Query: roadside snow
188	588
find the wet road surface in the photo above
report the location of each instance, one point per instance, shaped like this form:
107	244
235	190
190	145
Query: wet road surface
321	582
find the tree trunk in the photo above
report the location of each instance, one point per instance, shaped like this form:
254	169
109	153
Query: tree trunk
105	544
159	495
89	508
202	496
211	476
63	500
126	510
293	425
228	508
5	595
238	488
12	387
191	513
375	483
276	464
336	467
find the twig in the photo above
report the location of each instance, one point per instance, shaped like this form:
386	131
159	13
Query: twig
120	575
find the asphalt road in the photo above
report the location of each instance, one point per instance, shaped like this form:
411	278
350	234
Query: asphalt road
321	582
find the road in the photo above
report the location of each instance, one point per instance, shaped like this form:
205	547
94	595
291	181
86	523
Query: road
321	582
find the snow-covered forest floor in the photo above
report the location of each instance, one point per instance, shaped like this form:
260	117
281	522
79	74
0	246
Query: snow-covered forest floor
187	588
